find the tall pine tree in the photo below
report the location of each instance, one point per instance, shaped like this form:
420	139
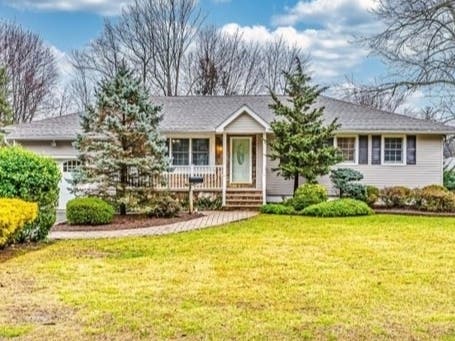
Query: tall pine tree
301	137
120	142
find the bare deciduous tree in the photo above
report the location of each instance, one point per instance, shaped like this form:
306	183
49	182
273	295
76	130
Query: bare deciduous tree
226	64
374	95
31	67
279	57
418	43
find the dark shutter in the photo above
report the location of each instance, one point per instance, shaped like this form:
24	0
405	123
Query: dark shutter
411	150
363	150
330	142
376	150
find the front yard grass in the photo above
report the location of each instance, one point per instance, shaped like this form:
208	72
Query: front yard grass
272	277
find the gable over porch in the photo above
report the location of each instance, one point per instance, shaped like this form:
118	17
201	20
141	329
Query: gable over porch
231	160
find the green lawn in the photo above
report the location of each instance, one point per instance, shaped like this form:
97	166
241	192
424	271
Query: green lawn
271	277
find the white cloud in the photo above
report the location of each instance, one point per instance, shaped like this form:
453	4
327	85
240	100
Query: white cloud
340	12
333	55
323	28
64	65
104	7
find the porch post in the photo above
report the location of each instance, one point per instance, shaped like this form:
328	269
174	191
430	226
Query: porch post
264	168
224	168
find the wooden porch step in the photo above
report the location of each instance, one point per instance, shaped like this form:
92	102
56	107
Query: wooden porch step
244	197
242	207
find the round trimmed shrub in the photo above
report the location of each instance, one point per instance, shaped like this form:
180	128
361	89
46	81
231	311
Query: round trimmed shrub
33	178
89	211
309	194
339	208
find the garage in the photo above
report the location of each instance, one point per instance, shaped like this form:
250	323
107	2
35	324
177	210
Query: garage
67	167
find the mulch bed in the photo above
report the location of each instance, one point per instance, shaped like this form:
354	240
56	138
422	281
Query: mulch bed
131	221
410	212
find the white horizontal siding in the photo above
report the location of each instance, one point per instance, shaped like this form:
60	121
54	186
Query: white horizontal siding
244	124
428	170
61	149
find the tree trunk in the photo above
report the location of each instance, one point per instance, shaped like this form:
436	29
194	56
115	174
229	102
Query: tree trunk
296	182
123	209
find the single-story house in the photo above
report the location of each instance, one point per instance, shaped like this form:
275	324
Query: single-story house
224	140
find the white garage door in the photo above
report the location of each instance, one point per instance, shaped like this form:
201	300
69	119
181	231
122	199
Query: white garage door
67	168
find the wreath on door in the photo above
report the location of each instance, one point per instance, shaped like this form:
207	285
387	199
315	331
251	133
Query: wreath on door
240	154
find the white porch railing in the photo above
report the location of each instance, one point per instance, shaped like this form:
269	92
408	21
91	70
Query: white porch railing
178	177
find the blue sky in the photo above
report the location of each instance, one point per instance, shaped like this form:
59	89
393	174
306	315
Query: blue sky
324	28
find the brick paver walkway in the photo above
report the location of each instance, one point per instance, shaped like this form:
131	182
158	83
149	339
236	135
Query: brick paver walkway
210	219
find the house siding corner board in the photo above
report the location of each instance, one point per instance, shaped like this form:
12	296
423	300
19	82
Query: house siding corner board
426	171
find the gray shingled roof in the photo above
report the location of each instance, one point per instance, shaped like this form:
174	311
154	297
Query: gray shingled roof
204	114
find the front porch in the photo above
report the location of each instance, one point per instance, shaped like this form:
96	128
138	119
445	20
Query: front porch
232	160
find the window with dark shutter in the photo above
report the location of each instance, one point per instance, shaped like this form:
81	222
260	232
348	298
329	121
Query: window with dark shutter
363	150
411	150
376	150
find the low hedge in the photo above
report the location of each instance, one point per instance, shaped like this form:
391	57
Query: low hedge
278	209
434	198
339	208
14	215
89	211
396	197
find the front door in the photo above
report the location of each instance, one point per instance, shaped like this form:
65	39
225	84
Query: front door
241	160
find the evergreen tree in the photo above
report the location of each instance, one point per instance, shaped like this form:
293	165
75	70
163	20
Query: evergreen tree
6	112
301	137
120	148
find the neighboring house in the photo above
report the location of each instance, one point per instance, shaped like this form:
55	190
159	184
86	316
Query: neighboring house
224	139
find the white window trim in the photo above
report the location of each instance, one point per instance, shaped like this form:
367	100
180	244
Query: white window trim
356	152
403	151
190	137
250	139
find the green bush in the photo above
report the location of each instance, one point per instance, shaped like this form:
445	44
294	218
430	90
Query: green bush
32	178
339	208
344	179
396	197
89	211
163	207
372	193
307	195
207	203
280	209
449	178
434	198
355	191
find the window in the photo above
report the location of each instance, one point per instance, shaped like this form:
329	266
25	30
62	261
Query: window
70	166
200	152
180	152
185	152
393	149
347	148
